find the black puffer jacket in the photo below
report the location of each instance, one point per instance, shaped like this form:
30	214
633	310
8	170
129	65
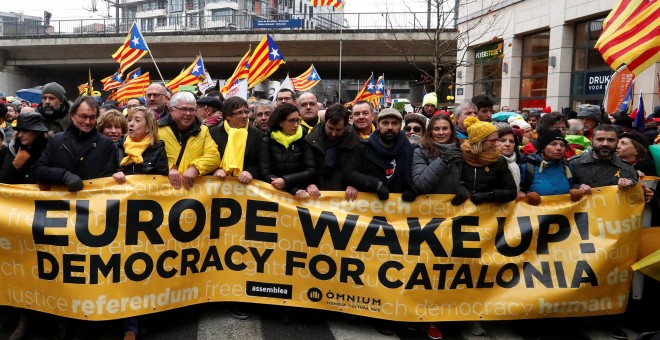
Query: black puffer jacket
88	155
252	147
9	174
495	178
295	164
154	160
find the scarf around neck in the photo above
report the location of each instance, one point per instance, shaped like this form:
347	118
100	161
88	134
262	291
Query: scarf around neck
232	160
134	150
331	148
483	159
286	140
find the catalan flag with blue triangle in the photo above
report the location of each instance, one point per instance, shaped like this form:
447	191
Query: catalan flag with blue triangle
134	48
307	80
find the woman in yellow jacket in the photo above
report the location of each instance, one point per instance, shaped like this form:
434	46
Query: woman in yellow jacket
191	151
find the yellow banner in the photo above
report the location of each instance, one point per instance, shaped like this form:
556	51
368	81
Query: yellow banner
114	251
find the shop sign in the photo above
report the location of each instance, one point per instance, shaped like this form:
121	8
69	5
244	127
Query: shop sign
487	52
597	82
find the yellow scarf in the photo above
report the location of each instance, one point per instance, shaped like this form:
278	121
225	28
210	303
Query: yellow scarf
134	149
369	134
304	123
286	140
232	160
482	160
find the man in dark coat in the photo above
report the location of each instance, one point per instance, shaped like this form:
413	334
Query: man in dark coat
54	107
332	142
381	163
79	153
600	166
235	110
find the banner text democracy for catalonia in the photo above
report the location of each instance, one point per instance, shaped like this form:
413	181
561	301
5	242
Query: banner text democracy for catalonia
114	251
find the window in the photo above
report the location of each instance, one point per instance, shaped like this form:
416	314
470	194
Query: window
488	70
177	6
222	15
534	73
590	72
160	22
175	20
147	24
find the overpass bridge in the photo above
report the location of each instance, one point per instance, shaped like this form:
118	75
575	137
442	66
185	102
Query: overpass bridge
31	58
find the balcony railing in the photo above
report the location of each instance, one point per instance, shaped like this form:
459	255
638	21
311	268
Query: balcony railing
235	23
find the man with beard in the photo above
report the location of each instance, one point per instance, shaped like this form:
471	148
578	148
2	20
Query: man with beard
54	107
600	166
309	110
332	143
381	163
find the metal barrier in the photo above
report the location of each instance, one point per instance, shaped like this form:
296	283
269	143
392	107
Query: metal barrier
196	24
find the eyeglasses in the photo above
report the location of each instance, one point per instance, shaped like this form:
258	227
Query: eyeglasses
415	128
189	110
154	95
85	118
310	104
293	121
284	99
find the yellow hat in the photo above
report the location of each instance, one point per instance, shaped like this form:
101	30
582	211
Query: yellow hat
478	130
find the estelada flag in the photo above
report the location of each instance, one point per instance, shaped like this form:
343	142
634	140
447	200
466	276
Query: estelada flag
134	48
307	80
620	84
242	71
133	88
631	35
265	60
112	82
189	76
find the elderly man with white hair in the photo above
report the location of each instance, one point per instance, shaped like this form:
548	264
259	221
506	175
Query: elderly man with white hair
191	151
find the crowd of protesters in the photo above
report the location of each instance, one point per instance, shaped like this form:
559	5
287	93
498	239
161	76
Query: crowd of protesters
300	149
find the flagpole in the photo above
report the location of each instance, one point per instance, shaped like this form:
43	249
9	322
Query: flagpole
157	69
341	43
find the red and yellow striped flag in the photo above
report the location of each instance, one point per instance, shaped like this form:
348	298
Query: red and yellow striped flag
134	48
631	35
307	80
265	60
133	88
189	76
334	3
242	71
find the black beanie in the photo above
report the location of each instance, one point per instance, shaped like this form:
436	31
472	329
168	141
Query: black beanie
56	90
548	136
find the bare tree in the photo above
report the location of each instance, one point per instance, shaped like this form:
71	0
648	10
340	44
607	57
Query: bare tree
446	37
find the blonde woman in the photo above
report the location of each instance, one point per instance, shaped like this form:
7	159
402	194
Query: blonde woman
141	152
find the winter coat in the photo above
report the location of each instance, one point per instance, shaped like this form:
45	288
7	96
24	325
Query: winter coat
154	160
9	174
596	172
59	120
552	180
88	155
365	170
294	164
494	178
331	179
200	149
433	175
252	147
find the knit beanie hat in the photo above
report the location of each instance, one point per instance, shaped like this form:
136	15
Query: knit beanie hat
478	130
520	123
55	89
624	121
430	98
548	136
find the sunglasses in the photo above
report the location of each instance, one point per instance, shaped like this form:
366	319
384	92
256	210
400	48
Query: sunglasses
415	128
